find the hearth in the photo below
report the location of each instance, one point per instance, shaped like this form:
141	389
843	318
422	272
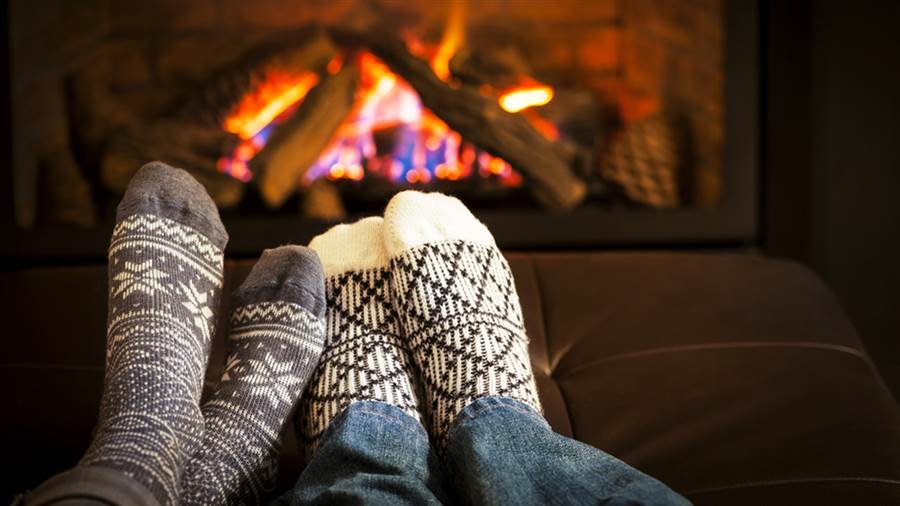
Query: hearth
590	124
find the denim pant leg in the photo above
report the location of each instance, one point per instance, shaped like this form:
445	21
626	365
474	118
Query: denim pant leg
501	451
372	453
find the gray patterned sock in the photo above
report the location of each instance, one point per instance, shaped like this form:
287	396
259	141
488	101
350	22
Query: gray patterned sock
364	357
277	333
165	280
458	307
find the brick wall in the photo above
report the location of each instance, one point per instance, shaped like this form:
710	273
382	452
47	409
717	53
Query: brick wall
150	53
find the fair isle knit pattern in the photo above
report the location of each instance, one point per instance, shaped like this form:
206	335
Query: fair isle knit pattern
274	348
364	357
165	285
461	316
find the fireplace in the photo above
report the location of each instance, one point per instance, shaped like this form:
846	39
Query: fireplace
600	123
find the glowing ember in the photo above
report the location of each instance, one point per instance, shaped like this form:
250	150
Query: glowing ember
523	98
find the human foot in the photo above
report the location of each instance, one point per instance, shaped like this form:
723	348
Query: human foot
458	307
364	357
276	338
165	281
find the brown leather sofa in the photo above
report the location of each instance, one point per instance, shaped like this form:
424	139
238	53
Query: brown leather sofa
734	379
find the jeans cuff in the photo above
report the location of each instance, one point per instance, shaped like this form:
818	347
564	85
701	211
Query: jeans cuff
484	405
386	412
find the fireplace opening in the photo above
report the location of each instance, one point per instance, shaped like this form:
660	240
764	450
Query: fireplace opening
573	122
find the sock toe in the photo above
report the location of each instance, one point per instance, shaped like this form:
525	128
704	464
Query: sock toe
354	247
287	273
414	218
161	190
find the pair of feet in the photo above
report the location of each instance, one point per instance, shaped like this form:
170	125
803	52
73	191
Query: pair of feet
417	310
153	438
421	314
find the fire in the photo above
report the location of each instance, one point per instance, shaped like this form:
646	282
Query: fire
256	112
267	102
392	135
389	134
451	40
522	98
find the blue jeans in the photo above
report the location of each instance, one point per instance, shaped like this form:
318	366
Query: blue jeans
500	451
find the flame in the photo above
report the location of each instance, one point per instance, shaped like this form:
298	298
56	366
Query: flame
389	134
267	102
237	165
454	32
546	127
520	99
422	147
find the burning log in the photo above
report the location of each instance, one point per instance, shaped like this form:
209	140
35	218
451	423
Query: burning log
307	49
298	143
580	117
192	135
478	119
501	67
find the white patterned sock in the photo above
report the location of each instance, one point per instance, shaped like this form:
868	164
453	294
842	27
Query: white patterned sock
165	281
277	334
364	357
458	307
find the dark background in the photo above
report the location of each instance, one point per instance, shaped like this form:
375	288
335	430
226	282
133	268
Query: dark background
831	165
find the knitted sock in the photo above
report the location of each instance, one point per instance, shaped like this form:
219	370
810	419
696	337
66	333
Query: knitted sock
458	307
277	333
165	280
364	358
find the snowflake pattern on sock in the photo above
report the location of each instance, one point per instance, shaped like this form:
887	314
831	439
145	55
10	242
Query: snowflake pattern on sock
158	336
461	316
275	346
364	356
138	277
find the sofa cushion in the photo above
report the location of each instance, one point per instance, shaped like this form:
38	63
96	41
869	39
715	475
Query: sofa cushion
730	377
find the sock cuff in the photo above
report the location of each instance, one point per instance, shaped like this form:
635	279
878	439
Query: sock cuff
414	218
351	247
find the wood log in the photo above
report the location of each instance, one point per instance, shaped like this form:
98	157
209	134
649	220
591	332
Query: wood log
305	49
500	67
94	115
579	117
192	136
298	142
195	148
322	201
479	119
64	195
